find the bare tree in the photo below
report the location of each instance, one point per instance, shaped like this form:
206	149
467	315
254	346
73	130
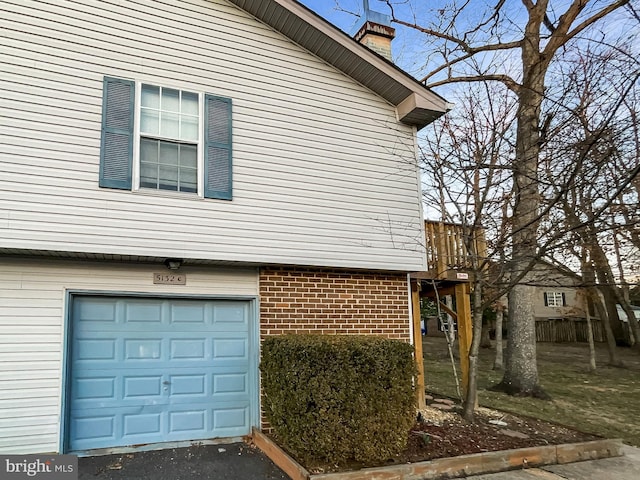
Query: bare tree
588	170
513	44
466	163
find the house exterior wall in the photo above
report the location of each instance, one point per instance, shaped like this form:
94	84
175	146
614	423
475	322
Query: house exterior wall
547	278
311	147
305	300
33	297
574	304
296	300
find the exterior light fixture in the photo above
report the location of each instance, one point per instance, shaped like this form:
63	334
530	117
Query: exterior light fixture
173	263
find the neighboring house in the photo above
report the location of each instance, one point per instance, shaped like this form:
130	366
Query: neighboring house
179	179
560	305
623	315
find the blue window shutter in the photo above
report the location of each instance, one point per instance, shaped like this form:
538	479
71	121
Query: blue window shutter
546	301
217	148
116	146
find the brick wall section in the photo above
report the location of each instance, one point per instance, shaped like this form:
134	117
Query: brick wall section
306	300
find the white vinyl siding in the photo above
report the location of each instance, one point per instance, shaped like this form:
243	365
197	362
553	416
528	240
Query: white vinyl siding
323	174
32	308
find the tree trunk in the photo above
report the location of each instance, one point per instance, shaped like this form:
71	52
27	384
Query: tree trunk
592	348
618	329
521	370
607	282
606	326
485	341
632	323
623	296
472	390
498	361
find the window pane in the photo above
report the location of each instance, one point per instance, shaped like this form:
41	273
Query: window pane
149	121
169	126
150	96
168	177
189	128
168	153
149	175
170	100
148	150
188	171
188	179
190	103
188	155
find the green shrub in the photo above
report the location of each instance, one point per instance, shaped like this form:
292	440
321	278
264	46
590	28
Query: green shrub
339	398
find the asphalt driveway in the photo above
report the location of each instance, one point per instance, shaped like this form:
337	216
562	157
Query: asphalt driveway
220	462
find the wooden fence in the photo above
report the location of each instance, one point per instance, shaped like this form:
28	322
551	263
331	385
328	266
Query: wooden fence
567	330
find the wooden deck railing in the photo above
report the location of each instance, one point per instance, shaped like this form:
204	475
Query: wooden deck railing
447	251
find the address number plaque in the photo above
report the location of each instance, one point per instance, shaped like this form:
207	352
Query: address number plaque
170	278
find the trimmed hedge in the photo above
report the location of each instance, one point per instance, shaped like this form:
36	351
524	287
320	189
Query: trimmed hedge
336	399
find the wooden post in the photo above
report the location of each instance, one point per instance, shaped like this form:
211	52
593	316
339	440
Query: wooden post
465	330
441	249
417	344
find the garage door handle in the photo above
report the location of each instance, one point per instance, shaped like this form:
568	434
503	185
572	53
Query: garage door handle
166	382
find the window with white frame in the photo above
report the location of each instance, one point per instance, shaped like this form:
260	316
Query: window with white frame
182	143
169	137
554	299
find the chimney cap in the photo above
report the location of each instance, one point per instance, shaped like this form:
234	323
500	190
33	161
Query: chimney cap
375	17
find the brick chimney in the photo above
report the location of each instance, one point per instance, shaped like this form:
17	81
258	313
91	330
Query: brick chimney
376	33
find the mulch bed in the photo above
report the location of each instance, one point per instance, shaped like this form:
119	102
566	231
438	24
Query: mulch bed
453	436
441	434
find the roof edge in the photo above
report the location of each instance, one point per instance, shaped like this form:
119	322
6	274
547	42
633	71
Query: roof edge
305	27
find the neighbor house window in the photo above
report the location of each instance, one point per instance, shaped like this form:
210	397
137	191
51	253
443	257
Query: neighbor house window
182	143
554	299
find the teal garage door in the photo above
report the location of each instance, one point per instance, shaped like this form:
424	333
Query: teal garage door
151	370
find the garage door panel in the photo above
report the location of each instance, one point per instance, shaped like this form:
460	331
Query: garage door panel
230	314
92	388
139	387
188	349
192	385
230	420
137	311
141	424
96	311
157	370
95	427
96	349
192	421
188	313
143	349
230	349
227	384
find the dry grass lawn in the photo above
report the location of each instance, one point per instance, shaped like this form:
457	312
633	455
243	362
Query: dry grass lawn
605	403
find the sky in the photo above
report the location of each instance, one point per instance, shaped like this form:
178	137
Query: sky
328	9
346	15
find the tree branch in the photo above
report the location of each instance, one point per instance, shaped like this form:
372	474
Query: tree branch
470	52
509	82
562	34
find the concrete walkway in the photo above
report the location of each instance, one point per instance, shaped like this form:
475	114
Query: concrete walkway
619	468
